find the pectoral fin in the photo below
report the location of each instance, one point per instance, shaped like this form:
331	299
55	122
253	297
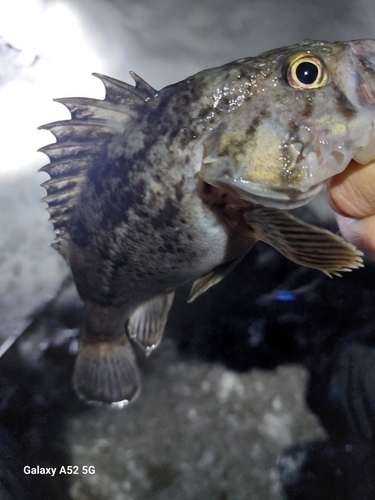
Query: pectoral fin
202	284
146	325
303	243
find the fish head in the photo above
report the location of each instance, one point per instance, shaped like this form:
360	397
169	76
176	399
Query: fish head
306	112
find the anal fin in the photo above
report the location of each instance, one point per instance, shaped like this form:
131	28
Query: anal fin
107	372
202	284
303	243
146	324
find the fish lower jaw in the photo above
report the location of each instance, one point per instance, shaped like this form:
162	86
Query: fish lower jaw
270	196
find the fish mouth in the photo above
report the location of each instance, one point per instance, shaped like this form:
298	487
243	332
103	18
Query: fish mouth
270	196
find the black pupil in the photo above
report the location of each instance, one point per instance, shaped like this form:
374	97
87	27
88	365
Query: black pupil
307	73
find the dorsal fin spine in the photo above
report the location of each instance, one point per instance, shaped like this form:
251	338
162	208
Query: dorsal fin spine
82	141
142	86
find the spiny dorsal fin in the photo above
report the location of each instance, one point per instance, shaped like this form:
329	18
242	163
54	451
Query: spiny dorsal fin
83	139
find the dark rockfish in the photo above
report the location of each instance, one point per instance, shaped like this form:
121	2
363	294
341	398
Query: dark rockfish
152	189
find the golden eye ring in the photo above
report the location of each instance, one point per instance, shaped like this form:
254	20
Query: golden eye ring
305	71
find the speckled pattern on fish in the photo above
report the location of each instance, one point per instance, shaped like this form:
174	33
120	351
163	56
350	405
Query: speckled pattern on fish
152	189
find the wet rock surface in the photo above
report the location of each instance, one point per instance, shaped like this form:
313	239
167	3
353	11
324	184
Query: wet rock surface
29	267
200	429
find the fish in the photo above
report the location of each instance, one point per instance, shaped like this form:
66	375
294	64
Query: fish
152	189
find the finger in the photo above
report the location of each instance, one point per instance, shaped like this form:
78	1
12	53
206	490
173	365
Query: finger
360	232
352	193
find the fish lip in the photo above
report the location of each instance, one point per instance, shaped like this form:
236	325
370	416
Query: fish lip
269	196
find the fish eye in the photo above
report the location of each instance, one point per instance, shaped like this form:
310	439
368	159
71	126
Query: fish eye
305	71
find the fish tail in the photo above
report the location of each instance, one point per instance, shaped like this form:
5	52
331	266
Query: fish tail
106	371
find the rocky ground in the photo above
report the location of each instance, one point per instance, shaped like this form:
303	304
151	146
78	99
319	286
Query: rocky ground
197	431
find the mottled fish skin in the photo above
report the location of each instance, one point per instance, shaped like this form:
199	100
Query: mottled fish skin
150	190
285	141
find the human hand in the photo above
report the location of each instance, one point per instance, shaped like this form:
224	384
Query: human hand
351	194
